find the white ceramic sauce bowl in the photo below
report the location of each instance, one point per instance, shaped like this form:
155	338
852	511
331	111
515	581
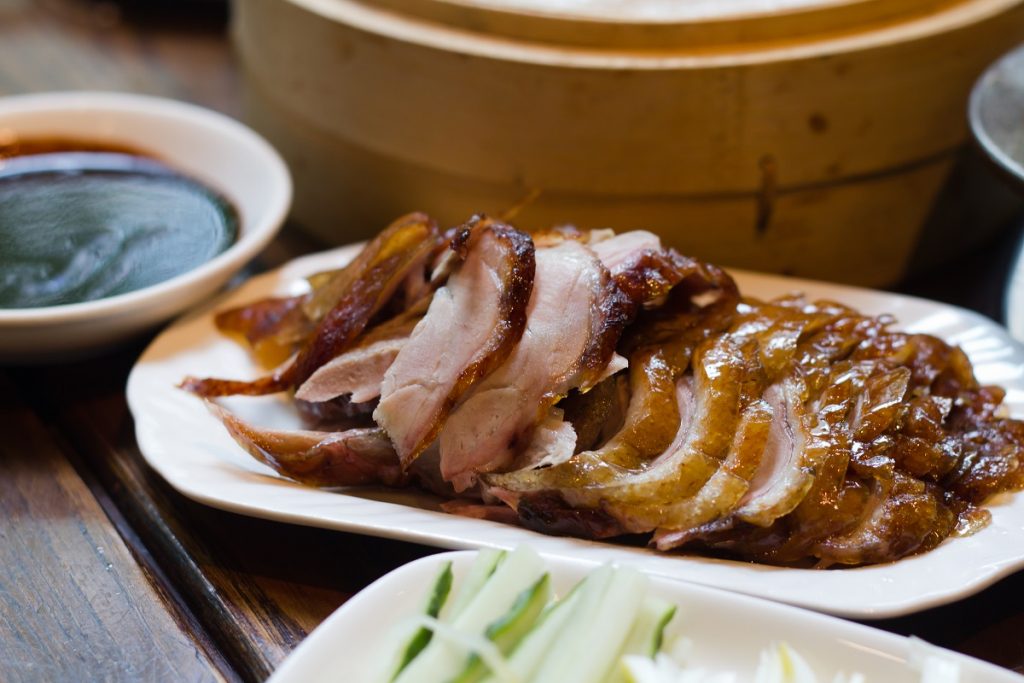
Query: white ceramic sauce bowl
204	145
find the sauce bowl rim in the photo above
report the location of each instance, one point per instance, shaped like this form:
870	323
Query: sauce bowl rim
255	232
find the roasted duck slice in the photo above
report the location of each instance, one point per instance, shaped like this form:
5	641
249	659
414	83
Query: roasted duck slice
360	371
358	292
708	406
722	492
618	252
472	326
273	328
350	458
564	326
597	415
904	516
789	463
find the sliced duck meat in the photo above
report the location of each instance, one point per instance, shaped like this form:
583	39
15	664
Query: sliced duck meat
653	417
834	503
357	293
360	371
619	252
906	516
351	458
723	491
708	405
337	415
597	415
552	443
652	421
795	447
710	410
497	419
472	326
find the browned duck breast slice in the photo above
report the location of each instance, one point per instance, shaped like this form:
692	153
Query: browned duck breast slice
497	419
360	371
472	326
787	468
349	458
720	495
707	412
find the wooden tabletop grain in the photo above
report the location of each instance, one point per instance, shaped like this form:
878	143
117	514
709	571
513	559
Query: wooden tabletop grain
106	573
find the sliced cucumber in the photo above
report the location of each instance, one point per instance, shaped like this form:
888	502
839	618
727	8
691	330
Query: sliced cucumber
443	659
529	653
589	645
648	631
645	638
436	598
484	564
509	629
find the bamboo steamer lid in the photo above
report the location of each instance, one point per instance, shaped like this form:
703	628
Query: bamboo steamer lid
772	112
647	24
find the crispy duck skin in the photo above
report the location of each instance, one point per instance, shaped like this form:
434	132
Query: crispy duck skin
272	327
483	308
350	458
786	432
358	292
278	326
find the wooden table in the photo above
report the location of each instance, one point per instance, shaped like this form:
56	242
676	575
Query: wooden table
106	573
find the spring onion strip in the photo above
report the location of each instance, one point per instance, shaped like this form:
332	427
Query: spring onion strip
471	643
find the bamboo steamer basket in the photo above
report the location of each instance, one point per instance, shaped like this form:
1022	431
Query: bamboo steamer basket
808	137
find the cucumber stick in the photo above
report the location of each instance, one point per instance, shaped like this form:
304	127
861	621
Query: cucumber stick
436	598
442	659
645	637
589	645
509	629
529	653
484	564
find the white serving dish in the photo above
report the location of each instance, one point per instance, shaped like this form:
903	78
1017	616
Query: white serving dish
205	145
347	647
194	453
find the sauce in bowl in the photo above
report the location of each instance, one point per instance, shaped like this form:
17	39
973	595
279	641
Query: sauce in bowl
79	223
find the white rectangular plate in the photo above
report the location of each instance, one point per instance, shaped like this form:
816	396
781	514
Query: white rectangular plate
347	646
193	452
